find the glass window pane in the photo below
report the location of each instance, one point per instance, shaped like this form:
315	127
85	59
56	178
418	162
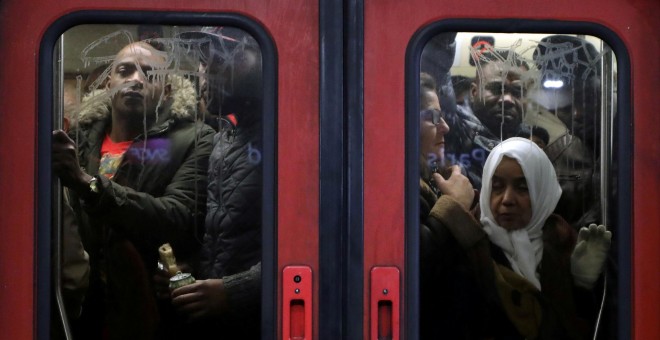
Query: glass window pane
161	165
527	122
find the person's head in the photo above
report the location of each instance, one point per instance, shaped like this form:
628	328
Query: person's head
520	188
231	70
574	65
137	80
498	92
536	134
462	88
539	141
568	59
432	125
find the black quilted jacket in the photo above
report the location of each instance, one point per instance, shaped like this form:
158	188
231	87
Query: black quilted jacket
232	243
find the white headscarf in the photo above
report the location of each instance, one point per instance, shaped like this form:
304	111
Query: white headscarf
523	247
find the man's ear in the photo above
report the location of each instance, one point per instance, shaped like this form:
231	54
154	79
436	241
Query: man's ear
167	90
474	89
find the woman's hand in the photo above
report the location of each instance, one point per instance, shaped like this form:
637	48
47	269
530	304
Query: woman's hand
457	186
589	255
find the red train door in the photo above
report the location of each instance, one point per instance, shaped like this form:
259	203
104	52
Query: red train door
395	34
288	35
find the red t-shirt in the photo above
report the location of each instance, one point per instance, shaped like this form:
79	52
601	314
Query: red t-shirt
111	156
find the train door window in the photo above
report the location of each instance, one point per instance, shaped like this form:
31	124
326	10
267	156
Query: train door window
516	156
161	164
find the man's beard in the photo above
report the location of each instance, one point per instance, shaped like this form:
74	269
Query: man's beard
496	118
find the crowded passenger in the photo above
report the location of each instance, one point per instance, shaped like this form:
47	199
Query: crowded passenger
537	135
436	60
495	114
227	294
572	111
569	111
521	271
138	173
449	199
462	88
543	271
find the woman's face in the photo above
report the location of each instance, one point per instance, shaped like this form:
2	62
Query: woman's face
432	134
509	197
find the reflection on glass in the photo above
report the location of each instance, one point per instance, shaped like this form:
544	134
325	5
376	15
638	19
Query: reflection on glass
524	281
164	182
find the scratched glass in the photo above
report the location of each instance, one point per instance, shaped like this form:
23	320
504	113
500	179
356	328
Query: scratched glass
557	90
188	101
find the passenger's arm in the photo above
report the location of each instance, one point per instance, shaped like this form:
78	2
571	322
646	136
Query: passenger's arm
177	214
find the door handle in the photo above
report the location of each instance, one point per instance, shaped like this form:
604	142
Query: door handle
297	303
385	292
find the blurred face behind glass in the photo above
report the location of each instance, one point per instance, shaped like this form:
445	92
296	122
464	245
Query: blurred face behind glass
136	88
433	127
498	98
211	84
233	70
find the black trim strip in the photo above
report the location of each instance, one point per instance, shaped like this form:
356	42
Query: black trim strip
332	225
354	108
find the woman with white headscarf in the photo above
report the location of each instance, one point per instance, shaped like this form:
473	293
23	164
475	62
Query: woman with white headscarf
515	272
520	191
536	270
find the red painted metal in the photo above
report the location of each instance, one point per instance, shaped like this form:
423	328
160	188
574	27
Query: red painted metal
388	28
297	303
384	303
293	27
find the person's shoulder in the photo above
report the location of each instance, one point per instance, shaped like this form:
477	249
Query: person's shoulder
188	132
558	232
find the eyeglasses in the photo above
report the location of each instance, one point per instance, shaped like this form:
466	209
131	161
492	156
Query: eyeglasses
432	115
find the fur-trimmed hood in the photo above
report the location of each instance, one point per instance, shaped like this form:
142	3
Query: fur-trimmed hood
95	105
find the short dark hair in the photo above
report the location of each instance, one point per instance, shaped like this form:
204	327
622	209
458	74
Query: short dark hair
541	133
496	55
575	61
426	84
567	56
536	131
461	84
